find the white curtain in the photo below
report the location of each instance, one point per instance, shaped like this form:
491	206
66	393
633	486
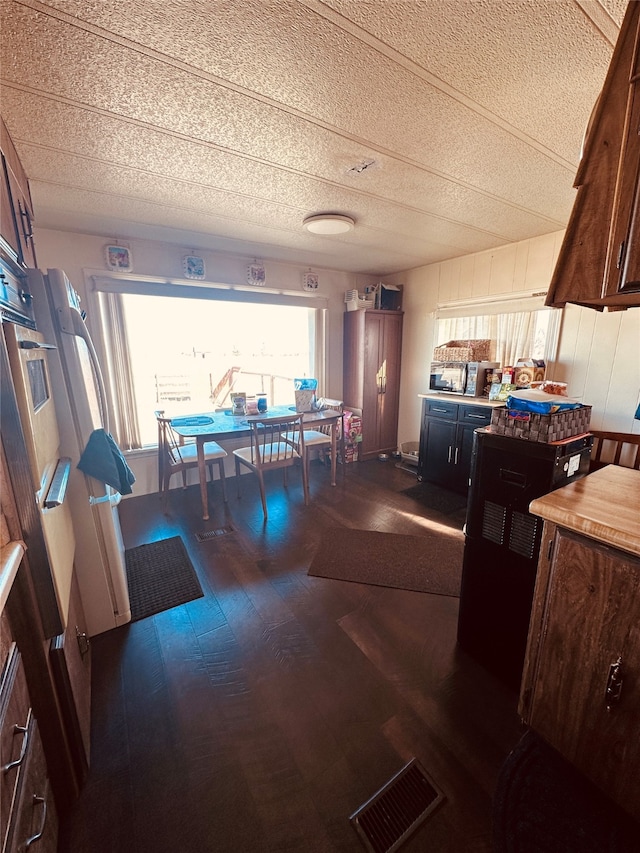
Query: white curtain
126	428
511	335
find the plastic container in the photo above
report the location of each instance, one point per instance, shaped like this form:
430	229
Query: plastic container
409	451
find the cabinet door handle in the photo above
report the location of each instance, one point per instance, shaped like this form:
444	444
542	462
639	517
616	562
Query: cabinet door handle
84	642
614	685
23	749
36	836
455	460
449	454
28	231
620	254
441	411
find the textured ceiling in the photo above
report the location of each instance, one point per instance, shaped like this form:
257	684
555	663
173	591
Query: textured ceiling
443	127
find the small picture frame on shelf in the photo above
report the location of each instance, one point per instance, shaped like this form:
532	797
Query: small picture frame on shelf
193	267
118	258
256	275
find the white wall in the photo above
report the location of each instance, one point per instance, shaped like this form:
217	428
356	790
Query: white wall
598	353
77	253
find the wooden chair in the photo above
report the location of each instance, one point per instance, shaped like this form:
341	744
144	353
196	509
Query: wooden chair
268	450
319	438
177	457
615	448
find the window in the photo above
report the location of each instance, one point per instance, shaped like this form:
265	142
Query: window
517	327
187	355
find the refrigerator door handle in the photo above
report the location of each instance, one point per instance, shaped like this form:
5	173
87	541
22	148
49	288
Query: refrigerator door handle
110	497
81	331
58	488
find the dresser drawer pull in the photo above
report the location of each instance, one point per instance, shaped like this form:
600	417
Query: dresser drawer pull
38	835
470	415
614	685
23	751
441	411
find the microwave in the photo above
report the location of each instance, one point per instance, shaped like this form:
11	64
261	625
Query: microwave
467	378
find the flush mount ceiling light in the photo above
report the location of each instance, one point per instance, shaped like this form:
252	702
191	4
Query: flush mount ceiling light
329	223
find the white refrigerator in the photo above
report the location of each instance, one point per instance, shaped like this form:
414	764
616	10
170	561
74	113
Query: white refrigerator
80	402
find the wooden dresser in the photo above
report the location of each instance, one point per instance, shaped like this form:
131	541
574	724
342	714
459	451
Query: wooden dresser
581	684
28	816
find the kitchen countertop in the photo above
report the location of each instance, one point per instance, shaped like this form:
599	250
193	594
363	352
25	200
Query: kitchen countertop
603	506
10	557
461	398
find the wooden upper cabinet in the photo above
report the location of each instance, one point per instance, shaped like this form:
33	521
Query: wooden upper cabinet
599	261
15	200
623	263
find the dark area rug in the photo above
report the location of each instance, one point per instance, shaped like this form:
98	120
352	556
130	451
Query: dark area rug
544	805
160	575
436	498
429	563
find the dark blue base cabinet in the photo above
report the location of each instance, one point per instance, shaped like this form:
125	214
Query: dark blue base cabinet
446	440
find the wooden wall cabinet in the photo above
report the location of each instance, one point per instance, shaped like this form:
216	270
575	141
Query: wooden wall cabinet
446	440
581	685
599	261
16	208
371	380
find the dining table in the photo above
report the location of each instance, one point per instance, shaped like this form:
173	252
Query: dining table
224	425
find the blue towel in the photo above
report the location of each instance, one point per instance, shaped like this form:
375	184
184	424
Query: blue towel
103	460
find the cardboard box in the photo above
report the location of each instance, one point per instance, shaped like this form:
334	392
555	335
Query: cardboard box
352	425
501	390
350	454
528	370
542	428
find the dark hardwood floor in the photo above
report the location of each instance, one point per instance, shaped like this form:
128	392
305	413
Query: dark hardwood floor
260	717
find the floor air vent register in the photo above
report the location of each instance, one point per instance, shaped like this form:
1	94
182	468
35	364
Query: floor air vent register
387	820
213	534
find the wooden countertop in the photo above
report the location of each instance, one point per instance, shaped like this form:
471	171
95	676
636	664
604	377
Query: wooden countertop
604	506
461	398
10	557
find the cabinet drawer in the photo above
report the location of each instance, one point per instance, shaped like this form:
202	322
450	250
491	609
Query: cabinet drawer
34	820
478	415
441	409
14	714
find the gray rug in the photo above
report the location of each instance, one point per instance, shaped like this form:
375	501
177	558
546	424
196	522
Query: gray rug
160	575
427	563
542	804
